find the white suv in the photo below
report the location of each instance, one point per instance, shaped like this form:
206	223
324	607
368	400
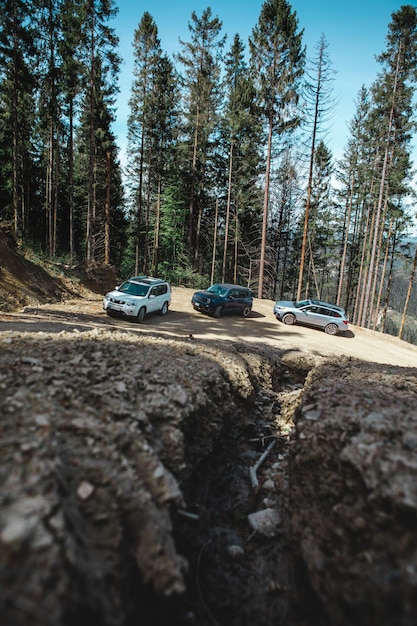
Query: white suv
138	296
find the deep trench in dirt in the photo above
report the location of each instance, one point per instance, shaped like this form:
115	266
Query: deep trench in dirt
243	563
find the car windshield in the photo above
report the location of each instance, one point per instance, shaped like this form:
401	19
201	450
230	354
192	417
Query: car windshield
134	289
301	303
221	291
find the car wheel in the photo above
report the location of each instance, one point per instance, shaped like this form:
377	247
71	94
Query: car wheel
218	311
289	319
246	311
164	309
331	329
141	315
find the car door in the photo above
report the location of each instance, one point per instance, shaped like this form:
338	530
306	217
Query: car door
317	316
153	300
243	299
232	301
309	315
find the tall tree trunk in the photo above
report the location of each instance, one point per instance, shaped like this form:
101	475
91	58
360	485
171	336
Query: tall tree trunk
213	256
383	273
407	300
389	284
155	257
91	163
307	209
192	190
107	211
345	244
372	269
226	227
236	251
71	178
139	199
265	209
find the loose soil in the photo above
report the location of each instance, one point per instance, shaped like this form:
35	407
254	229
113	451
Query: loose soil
198	471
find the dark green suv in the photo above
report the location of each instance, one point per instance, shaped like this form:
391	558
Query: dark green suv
223	298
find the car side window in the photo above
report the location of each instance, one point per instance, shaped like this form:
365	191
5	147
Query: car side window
154	291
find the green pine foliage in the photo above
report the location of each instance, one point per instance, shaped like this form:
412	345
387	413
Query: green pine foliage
226	144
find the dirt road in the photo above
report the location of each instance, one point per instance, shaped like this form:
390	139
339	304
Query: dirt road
182	321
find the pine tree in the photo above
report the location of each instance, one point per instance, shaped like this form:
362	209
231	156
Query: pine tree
277	59
355	173
70	46
106	202
393	95
284	234
164	103
49	113
201	58
321	239
242	136
17	112
147	52
319	107
102	63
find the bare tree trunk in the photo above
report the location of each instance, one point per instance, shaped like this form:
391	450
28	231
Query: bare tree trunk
91	155
71	179
407	300
197	261
139	200
372	268
345	244
236	246
49	192
226	228
107	211
265	210
388	289
383	273
313	269
213	257
155	258
366	254
15	143
192	189
310	172
146	244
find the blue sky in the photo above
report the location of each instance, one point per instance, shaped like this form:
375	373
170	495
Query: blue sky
355	31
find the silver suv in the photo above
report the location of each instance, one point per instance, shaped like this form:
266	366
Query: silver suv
138	296
330	317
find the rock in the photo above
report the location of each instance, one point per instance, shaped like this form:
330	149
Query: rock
265	522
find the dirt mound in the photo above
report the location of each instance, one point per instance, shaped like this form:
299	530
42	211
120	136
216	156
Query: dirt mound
96	277
105	503
24	283
353	491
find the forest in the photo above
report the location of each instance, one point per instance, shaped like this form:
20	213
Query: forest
228	176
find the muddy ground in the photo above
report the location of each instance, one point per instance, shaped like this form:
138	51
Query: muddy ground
205	472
